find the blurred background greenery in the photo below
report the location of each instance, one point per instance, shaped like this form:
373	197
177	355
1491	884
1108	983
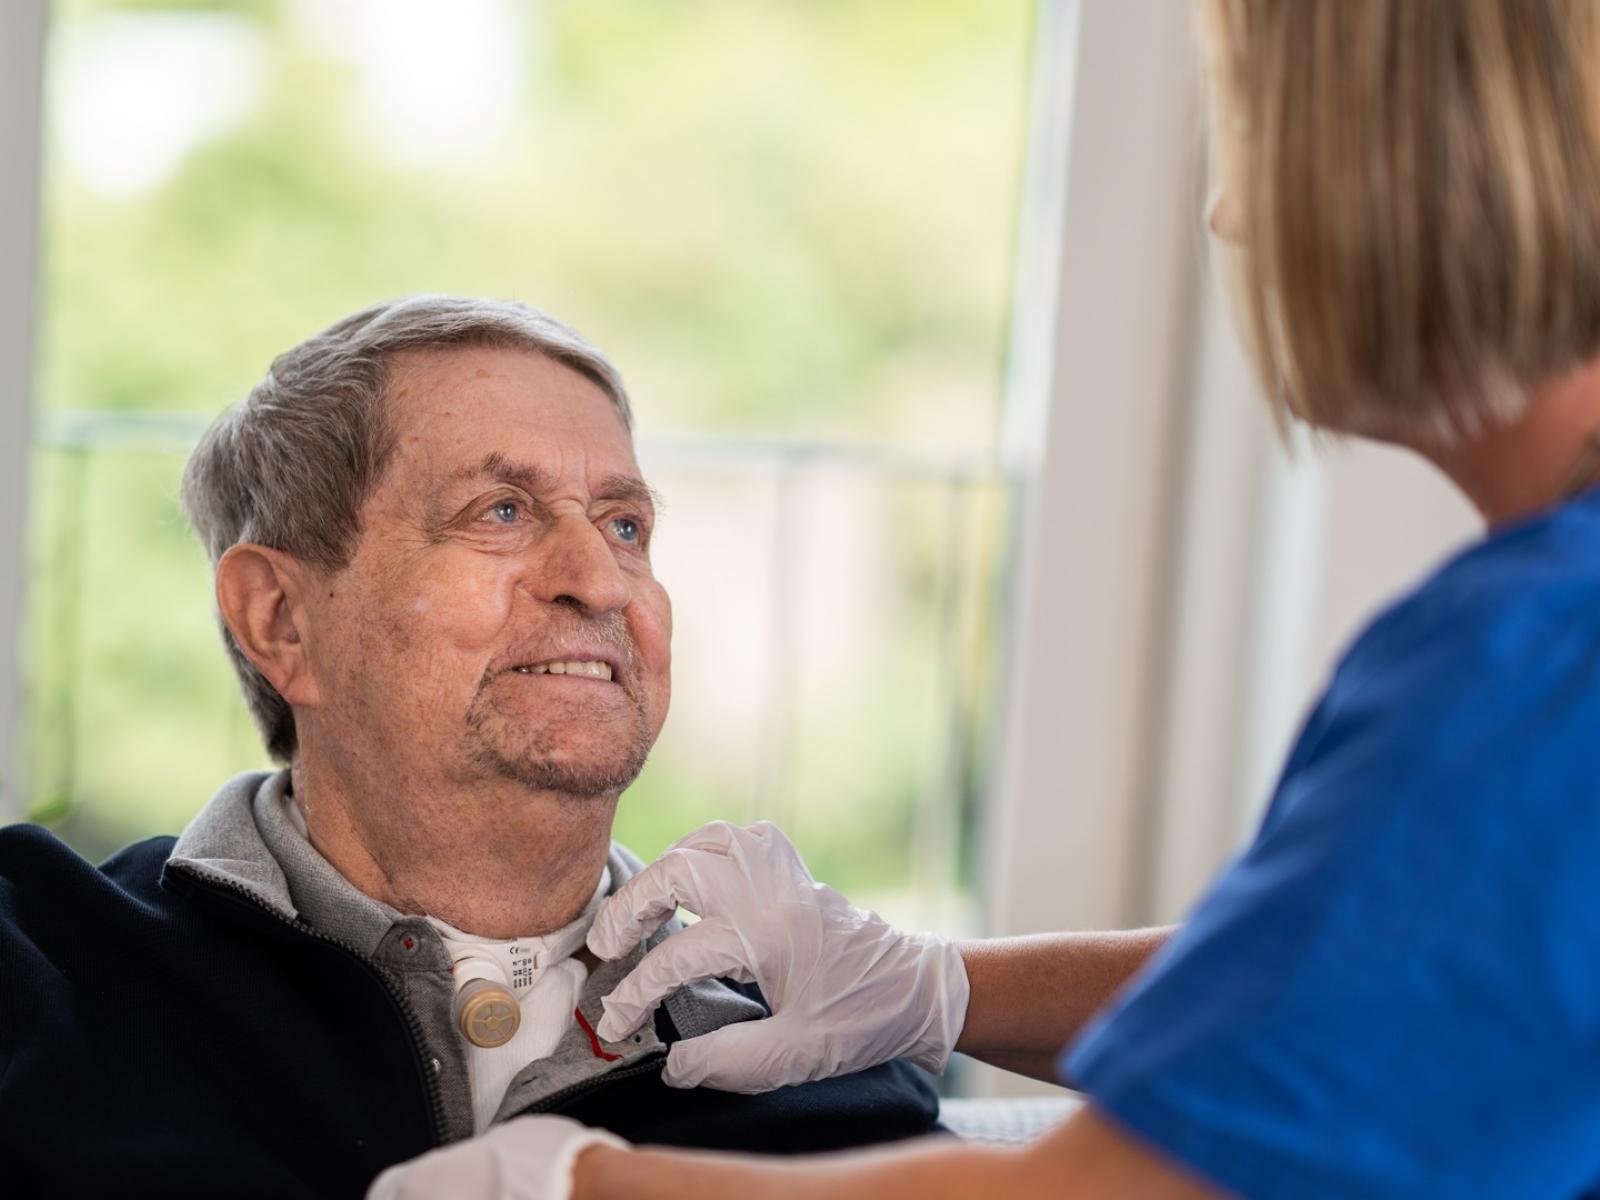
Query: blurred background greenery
790	222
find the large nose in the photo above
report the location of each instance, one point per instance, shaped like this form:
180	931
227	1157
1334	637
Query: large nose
575	566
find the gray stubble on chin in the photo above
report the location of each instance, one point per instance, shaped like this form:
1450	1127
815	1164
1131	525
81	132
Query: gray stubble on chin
535	764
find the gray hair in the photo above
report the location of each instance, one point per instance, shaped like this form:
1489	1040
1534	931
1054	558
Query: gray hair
290	465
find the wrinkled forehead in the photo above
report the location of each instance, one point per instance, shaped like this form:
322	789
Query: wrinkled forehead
451	409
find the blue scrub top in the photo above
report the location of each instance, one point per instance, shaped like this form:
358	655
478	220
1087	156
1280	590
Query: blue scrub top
1395	991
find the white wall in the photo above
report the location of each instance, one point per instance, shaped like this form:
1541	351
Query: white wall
22	25
1390	516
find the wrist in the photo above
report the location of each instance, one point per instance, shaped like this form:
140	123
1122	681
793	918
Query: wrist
596	1168
944	970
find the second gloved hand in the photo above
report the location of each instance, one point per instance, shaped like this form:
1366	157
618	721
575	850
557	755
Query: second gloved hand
526	1158
847	990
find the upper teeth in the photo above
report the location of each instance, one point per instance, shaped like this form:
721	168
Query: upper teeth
594	670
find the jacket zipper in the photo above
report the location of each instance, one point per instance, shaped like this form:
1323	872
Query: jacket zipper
419	1043
650	1062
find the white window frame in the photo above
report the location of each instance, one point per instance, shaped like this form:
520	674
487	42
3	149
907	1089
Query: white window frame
22	40
1104	315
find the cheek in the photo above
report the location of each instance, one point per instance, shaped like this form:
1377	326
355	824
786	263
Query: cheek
652	634
651	619
424	623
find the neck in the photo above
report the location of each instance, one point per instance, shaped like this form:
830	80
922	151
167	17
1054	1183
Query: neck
490	857
1513	470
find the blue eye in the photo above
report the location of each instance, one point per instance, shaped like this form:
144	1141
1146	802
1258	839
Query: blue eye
626	529
505	512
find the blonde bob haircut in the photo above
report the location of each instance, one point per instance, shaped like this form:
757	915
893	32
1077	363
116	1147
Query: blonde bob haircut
1415	186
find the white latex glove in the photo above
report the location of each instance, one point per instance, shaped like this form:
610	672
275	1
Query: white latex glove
528	1158
847	990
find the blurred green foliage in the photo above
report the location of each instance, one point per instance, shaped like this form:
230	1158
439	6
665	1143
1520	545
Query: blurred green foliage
779	217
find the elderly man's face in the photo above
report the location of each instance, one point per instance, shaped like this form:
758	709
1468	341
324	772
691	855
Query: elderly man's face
499	619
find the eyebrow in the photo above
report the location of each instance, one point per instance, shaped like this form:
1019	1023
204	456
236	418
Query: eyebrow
498	467
533	480
626	487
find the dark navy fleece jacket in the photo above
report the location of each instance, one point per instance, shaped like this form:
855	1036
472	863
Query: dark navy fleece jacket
162	1034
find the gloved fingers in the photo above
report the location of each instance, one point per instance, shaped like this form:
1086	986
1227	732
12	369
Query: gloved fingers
767	853
465	1169
642	905
714	837
767	831
711	949
762	849
528	1158
750	1057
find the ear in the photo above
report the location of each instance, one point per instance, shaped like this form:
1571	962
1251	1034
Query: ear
258	594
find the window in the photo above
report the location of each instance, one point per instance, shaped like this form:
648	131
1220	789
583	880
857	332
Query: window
792	227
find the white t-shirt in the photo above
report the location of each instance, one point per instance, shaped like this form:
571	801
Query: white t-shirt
547	981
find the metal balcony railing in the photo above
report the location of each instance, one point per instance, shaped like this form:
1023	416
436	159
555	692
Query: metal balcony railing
955	593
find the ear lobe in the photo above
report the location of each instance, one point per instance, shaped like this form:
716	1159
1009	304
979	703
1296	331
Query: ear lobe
256	592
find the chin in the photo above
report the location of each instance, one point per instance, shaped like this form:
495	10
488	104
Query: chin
581	780
587	764
587	751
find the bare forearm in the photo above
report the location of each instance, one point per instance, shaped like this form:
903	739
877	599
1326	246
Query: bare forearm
1084	1157
1031	995
926	1170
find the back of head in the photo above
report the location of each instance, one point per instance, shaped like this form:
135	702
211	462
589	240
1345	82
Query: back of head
290	465
1416	185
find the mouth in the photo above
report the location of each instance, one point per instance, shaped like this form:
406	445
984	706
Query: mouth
581	668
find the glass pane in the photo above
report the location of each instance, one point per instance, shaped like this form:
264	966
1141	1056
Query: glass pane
789	224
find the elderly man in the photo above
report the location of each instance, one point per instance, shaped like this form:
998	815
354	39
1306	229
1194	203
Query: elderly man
432	551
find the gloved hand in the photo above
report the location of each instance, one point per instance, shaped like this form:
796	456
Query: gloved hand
847	990
528	1158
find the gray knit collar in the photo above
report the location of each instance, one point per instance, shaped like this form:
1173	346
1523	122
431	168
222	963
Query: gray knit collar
245	839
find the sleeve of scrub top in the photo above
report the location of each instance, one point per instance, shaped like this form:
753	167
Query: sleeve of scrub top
1396	990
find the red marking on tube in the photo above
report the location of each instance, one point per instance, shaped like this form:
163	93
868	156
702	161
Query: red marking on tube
594	1040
